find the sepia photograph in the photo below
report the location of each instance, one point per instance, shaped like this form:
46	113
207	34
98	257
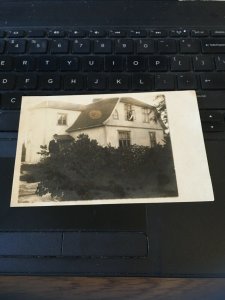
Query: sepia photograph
94	149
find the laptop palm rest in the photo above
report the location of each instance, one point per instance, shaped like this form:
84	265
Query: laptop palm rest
79	244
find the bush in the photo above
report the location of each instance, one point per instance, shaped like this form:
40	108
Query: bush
82	169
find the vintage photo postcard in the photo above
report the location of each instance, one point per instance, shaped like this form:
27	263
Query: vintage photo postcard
110	149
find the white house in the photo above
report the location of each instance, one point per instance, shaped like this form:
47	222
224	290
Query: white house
119	121
45	120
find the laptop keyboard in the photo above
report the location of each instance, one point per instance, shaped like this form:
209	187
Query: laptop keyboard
76	61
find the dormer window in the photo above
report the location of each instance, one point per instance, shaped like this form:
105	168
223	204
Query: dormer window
116	115
129	112
61	119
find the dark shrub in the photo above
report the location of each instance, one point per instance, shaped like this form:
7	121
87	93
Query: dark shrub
83	169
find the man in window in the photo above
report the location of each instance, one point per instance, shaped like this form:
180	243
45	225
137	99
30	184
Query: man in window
130	116
129	112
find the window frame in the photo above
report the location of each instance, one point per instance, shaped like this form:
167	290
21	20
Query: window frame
153	142
145	113
63	118
124	142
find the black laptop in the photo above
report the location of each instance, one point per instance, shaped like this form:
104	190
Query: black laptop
178	46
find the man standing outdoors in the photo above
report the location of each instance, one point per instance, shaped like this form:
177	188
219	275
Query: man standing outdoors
53	146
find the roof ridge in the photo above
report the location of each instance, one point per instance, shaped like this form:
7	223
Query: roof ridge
103	99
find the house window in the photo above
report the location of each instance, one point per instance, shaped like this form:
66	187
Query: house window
124	138
129	112
116	115
145	112
61	119
152	136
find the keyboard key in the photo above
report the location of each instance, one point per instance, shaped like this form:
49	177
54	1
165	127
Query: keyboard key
96	82
47	63
199	33
180	63
203	63
6	63
25	63
164	82
93	63
73	82
142	82
213	127
36	33
167	46
103	46
178	33
16	33
50	82
212	116
69	63
2	46
145	46
158	33
117	33
9	121
124	46
27	82
56	33
189	46
59	46
138	33
213	81
213	46
78	33
136	63
7	82
11	101
16	46
158	63
220	62
81	46
2	33
8	145
217	33
186	82
97	33
119	82
114	63
38	46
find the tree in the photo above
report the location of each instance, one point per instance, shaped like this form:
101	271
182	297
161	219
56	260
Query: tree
160	106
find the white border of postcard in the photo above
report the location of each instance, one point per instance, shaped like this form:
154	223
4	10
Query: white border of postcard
190	160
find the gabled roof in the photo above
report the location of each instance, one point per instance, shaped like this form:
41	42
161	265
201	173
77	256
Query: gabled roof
60	105
95	114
